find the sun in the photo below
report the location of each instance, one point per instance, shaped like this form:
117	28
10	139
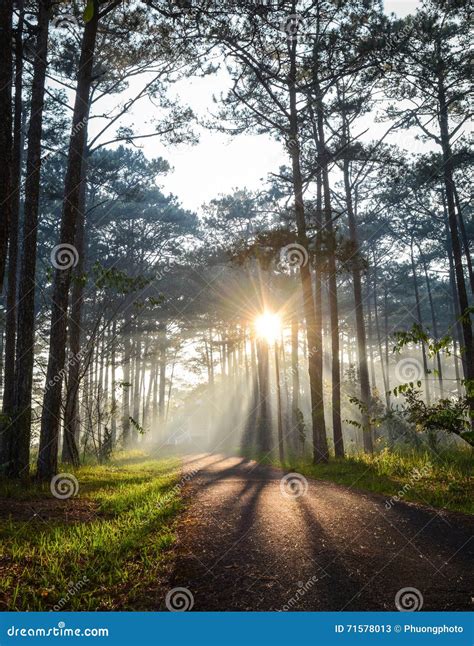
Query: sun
268	326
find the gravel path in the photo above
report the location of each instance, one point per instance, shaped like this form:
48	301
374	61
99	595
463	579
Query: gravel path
245	545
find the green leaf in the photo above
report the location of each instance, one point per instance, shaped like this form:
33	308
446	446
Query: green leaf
88	11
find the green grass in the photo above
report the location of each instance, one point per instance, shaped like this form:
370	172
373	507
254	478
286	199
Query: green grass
443	481
111	558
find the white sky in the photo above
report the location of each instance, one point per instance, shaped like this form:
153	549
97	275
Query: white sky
219	163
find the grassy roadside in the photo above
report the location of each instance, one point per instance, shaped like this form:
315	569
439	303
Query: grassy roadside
443	481
106	549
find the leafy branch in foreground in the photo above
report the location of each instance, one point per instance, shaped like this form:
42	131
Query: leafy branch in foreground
448	414
417	335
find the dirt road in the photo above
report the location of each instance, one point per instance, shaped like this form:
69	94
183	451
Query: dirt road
250	541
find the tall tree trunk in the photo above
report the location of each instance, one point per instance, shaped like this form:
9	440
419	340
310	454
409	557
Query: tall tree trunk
170	387
162	383
106	346
370	338
154	414
359	315
101	396
224	355
332	281
211	357
14	212
377	328
420	323
19	431
6	142
136	383
281	445
455	244
320	445
47	456
97	396
208	361
151	379
2	340
457	372
70	452
295	385
464	237
86	404
113	367
433	321
385	327
286	403
126	388
249	436
457	333
317	351
263	419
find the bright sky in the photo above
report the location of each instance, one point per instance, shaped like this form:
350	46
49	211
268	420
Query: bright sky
220	163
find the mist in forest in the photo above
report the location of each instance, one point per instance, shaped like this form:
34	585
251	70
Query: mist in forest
319	311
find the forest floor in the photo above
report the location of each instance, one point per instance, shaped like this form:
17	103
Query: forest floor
243	545
108	548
